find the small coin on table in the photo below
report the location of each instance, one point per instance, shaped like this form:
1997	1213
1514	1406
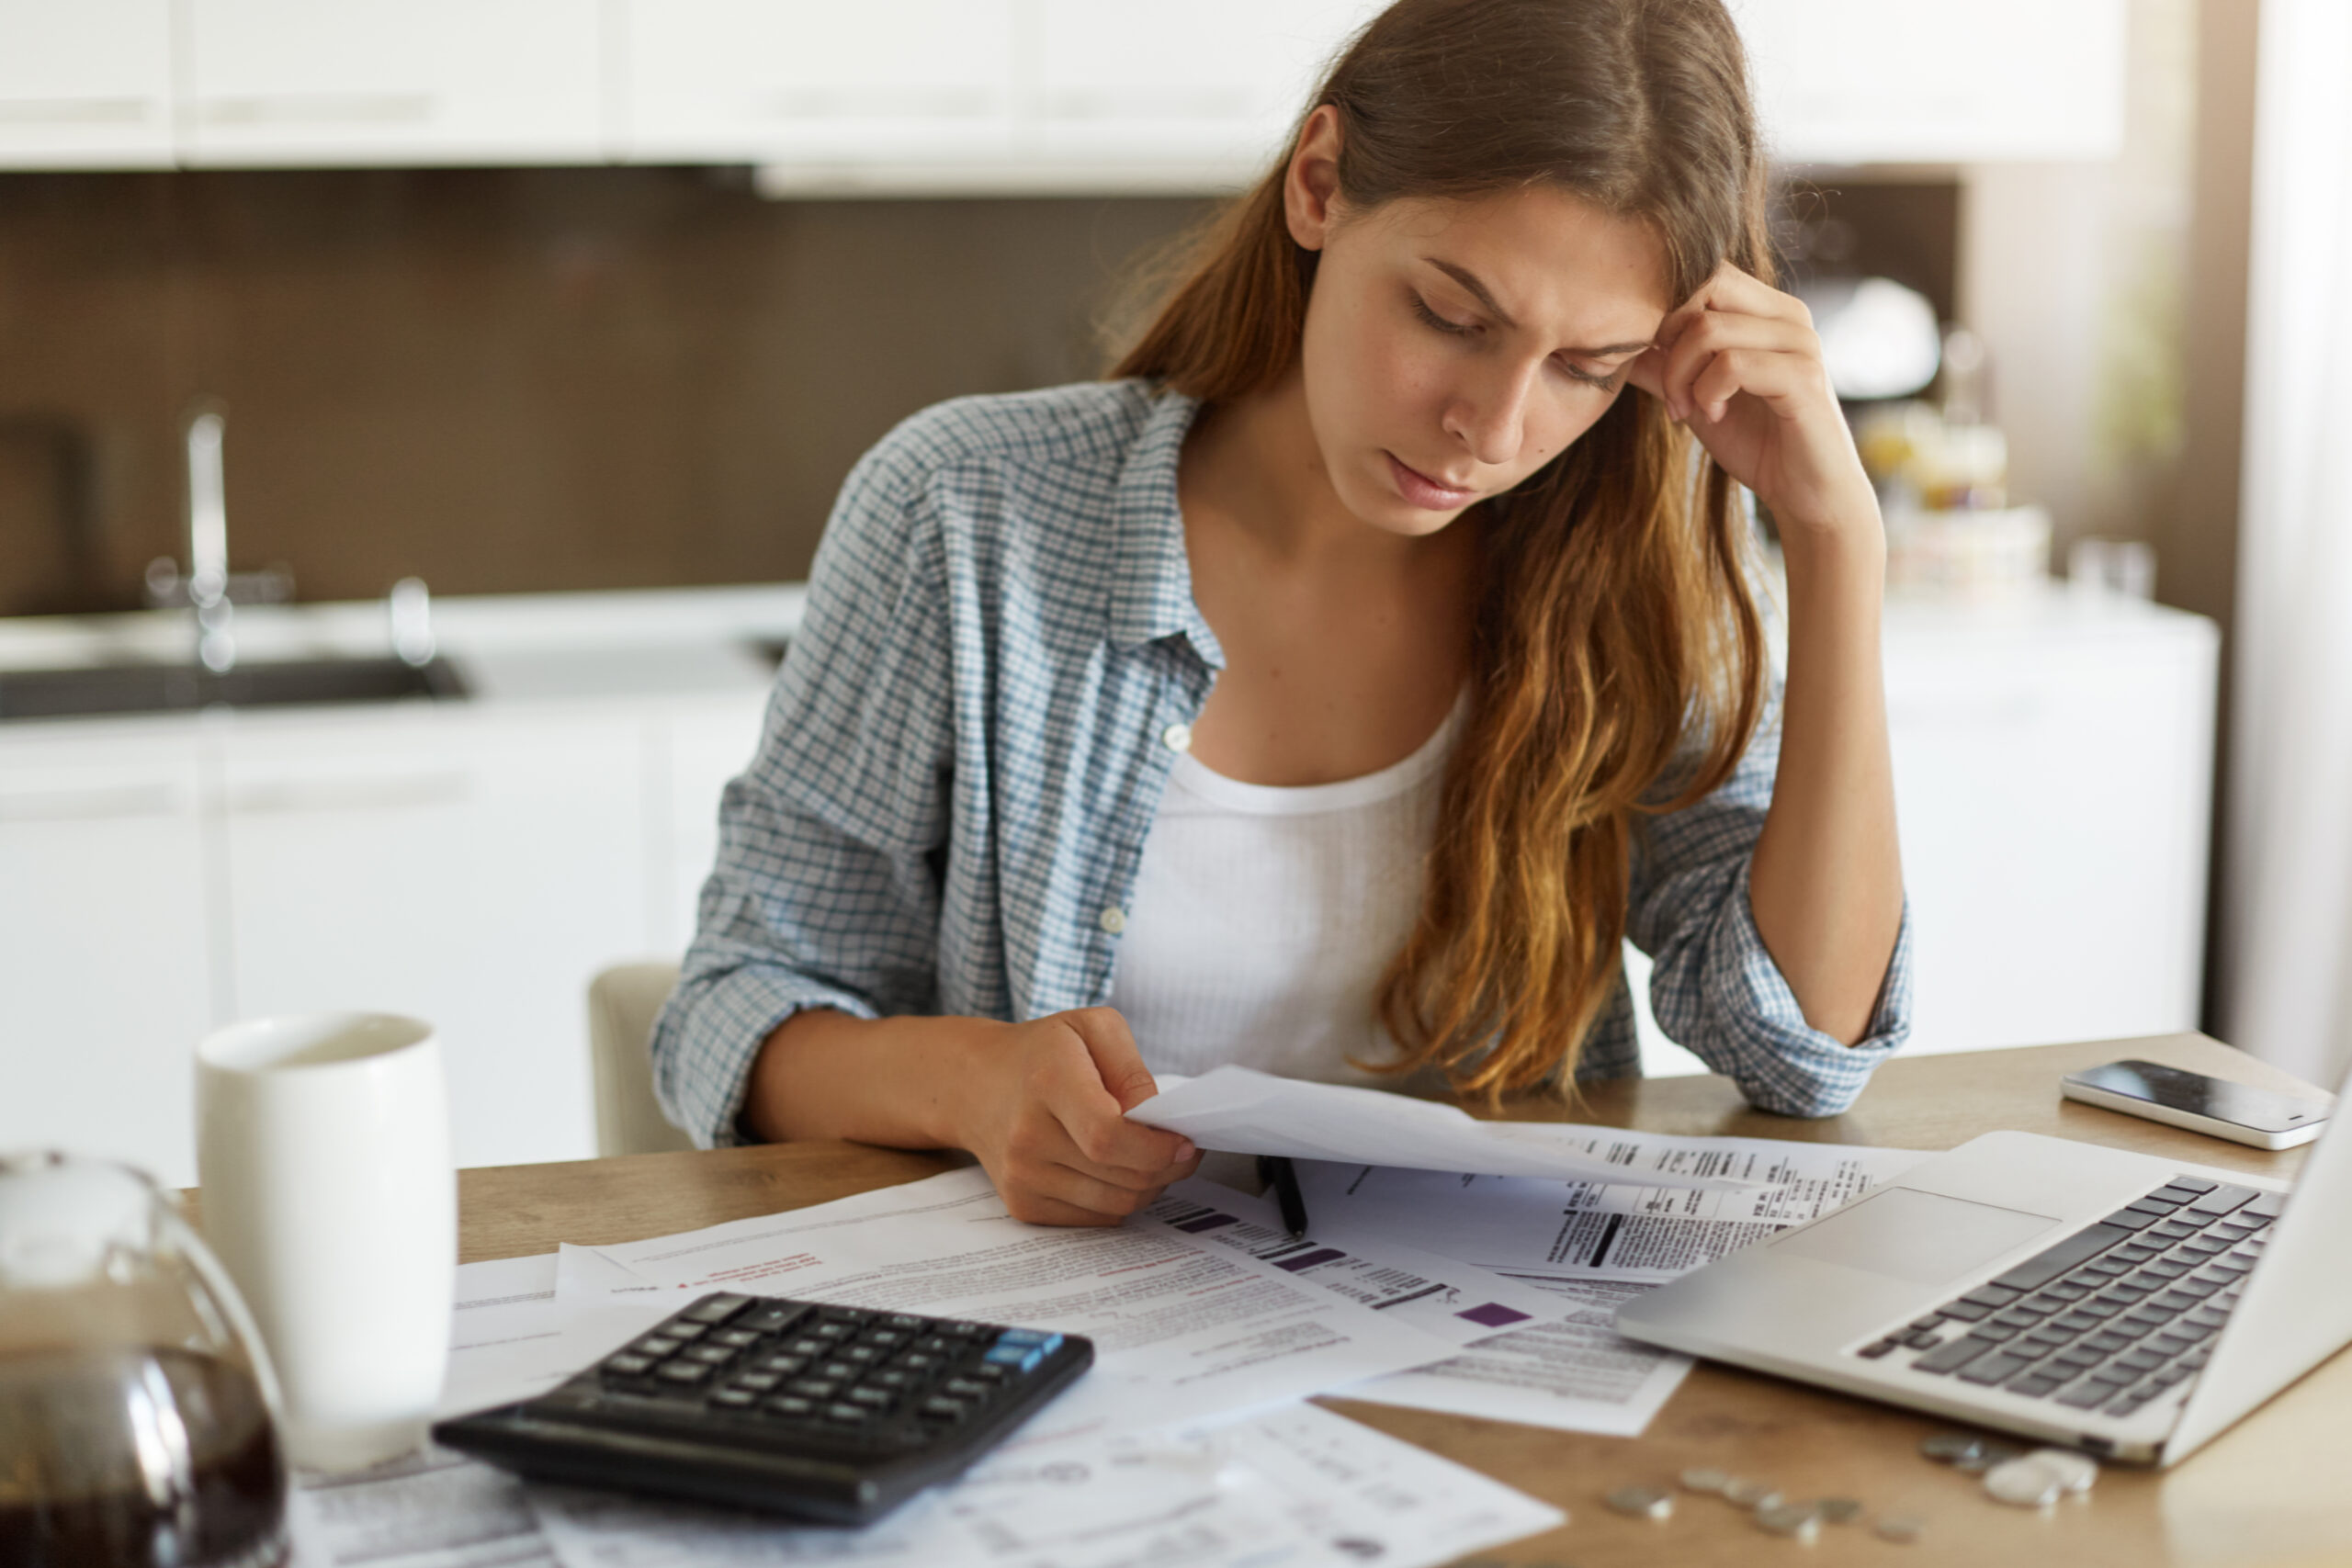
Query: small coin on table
1902	1528
2024	1483
2078	1473
1705	1480
1796	1521
1643	1501
1946	1447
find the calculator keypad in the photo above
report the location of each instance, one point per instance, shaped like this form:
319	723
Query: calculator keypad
828	1370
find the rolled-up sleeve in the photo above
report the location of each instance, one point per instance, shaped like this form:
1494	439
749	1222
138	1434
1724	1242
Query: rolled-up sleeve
825	891
1714	988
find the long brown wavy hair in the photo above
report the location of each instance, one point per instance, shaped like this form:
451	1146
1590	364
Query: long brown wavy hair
1618	655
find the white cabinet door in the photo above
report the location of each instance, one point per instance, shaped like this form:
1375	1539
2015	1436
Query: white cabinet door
472	870
1216	82
353	82
1931	82
103	957
817	81
85	85
2051	776
2053	796
705	745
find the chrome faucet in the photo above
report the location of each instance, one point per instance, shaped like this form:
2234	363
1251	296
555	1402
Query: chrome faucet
207	545
210	589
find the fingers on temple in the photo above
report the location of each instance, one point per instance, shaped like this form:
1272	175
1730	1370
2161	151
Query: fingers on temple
1734	290
1762	373
1740	348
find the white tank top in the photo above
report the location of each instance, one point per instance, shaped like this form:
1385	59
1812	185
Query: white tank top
1262	917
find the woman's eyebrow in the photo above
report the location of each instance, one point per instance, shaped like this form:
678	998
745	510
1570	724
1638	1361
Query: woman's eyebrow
1469	280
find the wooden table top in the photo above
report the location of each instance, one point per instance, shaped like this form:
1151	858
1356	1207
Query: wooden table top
2273	1490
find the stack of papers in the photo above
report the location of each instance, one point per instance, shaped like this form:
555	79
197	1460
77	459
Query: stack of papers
1188	1446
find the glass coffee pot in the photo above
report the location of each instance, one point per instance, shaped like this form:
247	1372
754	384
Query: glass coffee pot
138	1422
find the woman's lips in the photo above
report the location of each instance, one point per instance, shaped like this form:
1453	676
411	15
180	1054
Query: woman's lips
1419	489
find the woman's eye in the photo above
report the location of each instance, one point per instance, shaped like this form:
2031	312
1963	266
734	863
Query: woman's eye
1431	317
1606	383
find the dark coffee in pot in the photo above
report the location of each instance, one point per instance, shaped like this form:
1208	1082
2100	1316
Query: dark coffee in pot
136	1458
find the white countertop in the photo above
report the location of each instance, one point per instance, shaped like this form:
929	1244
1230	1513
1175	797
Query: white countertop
509	648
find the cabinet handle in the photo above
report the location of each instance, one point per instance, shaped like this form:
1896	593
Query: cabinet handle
75	111
321	109
91	804
351	795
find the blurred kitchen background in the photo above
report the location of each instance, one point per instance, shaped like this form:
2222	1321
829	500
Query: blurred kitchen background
570	316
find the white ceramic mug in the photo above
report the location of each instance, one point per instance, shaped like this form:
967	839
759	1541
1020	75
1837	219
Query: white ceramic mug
322	1148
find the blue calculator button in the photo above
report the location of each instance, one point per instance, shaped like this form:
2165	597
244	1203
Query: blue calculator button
1024	1337
1020	1358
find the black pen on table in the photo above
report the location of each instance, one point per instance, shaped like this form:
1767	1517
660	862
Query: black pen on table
1277	1172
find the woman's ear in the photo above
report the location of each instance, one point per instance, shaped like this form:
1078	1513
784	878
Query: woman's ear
1311	184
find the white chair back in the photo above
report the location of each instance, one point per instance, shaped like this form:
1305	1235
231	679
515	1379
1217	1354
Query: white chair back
622	1002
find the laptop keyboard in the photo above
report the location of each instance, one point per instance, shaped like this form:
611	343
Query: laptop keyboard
2111	1318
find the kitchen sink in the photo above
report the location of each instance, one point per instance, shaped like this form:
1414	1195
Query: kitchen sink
171	688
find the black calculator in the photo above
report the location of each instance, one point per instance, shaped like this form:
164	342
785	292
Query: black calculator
828	1413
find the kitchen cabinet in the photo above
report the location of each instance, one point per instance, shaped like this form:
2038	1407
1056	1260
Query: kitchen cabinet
833	85
85	86
1930	81
2053	786
974	96
470	869
704	746
105	965
471	861
1217	85
361	82
2053	761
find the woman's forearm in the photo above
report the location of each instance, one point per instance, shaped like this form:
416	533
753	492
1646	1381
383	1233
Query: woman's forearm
1826	886
893	1081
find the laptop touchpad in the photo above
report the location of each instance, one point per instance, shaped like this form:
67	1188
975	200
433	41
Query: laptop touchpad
1921	1236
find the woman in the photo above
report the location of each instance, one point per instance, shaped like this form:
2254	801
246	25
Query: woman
1336	687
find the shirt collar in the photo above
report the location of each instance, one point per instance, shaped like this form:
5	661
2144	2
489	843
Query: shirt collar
1152	594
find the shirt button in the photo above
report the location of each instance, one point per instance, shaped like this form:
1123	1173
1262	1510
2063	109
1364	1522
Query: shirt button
1113	919
1178	737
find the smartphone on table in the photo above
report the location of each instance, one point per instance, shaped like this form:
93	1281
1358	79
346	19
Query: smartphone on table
2268	1119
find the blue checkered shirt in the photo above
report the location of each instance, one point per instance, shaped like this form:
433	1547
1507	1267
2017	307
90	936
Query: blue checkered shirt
962	756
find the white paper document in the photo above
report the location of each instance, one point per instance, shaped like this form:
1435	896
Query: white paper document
506	1335
1183	1329
1640	1230
1594	1245
1294	1488
433	1509
1457	1301
1541	1352
1254	1113
1577	1373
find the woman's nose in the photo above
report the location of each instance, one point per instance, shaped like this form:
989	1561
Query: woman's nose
1489	415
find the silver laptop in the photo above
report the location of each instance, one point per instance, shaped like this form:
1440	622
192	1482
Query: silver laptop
2122	1304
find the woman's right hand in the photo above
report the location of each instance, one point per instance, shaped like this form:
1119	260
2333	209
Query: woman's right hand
1046	1111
